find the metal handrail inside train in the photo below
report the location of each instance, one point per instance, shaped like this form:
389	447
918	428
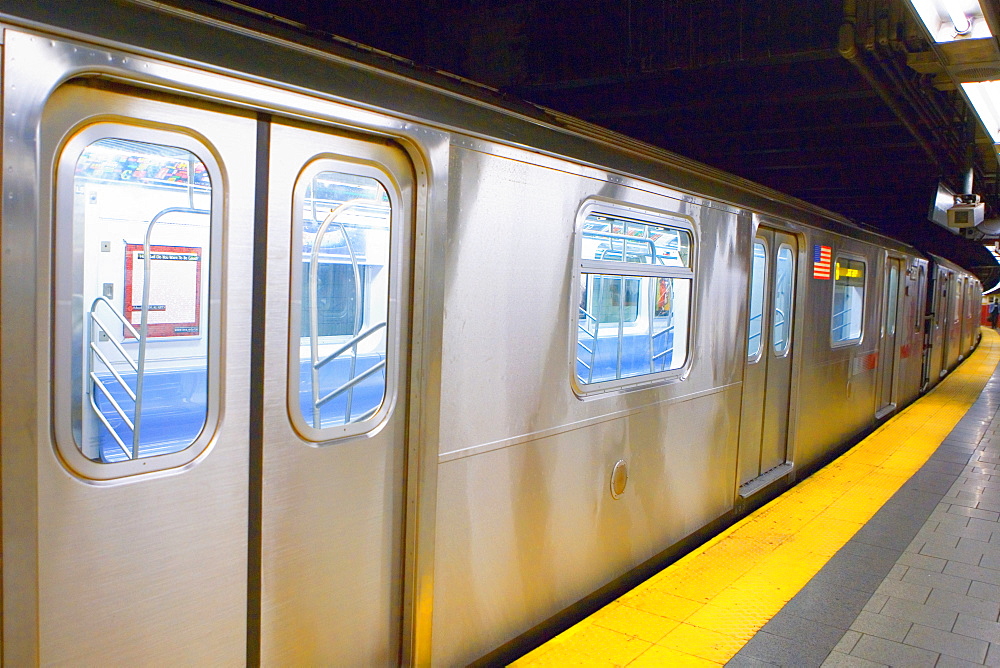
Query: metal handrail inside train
588	317
139	364
95	379
655	257
352	344
844	324
666	351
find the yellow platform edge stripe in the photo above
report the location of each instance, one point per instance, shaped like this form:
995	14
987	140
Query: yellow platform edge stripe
703	608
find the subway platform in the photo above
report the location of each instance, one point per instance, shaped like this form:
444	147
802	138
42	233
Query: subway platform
889	556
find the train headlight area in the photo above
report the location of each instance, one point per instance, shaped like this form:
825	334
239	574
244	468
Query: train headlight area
887	555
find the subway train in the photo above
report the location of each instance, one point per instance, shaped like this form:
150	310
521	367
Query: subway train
313	357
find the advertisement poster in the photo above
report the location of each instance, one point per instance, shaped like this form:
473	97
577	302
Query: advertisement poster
174	289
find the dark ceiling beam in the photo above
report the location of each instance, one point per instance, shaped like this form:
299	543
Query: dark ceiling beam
645	77
626	109
826	129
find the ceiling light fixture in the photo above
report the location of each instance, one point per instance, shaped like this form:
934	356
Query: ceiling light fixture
985	99
961	22
949	20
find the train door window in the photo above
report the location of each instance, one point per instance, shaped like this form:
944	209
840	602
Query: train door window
784	285
758	280
956	300
848	301
892	300
340	297
635	289
138	211
918	311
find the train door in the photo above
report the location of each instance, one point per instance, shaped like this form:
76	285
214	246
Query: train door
767	375
937	325
133	344
335	399
888	347
947	307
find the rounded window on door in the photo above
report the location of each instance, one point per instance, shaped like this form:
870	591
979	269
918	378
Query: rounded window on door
341	342
758	282
784	284
134	262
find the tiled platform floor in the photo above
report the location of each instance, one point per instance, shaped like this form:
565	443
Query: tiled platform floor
885	557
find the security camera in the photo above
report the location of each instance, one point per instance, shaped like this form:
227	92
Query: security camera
967	211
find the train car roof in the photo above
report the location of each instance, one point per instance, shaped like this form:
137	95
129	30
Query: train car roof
216	36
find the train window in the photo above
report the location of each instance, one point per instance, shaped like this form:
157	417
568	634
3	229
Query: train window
758	280
340	297
138	211
892	300
635	294
918	310
848	301
956	299
784	284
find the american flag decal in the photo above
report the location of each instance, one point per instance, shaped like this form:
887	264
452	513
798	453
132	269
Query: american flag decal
821	262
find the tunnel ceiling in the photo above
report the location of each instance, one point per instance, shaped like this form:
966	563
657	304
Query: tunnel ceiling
844	105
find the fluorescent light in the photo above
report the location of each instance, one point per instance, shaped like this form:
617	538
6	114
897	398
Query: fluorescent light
948	20
961	22
985	99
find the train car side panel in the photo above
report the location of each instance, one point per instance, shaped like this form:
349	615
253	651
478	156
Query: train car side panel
527	523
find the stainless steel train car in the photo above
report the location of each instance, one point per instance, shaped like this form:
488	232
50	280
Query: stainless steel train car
310	357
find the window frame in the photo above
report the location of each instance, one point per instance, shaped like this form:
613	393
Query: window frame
854	257
67	306
642	215
758	354
324	436
790	317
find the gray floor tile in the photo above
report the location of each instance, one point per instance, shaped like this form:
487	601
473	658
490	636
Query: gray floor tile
976	627
985	523
841	660
993	656
951	662
927	615
904	590
938	540
963	501
847	642
962	531
922	561
973	572
934	580
990	561
968	554
893	653
945	642
988	505
881	626
969	605
876	603
989	592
